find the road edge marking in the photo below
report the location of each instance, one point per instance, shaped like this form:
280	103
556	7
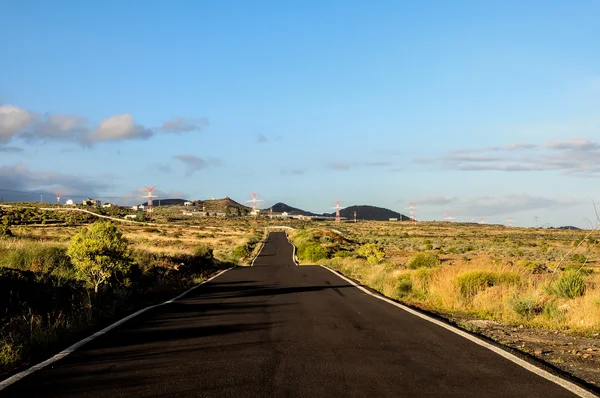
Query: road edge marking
261	249
294	251
69	350
570	386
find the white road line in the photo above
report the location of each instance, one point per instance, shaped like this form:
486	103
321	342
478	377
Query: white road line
16	377
294	252
572	387
261	249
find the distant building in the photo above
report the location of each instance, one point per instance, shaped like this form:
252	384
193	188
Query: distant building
187	203
221	214
107	205
70	202
393	219
131	216
91	202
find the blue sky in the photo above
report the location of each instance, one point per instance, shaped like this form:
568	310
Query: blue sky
477	108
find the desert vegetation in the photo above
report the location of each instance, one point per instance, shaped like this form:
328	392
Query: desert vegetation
545	278
64	273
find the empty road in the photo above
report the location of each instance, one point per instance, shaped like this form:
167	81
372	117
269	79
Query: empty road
276	329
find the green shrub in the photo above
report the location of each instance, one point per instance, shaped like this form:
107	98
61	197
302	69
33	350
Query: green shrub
342	254
579	258
372	252
46	259
570	284
553	313
204	253
525	306
423	260
312	252
470	283
240	252
404	285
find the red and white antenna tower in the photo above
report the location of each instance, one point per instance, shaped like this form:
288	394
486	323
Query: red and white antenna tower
58	198
337	210
254	201
509	221
482	220
412	208
149	198
271	212
450	217
354	215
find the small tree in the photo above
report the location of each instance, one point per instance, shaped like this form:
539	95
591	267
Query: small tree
372	252
99	253
5	222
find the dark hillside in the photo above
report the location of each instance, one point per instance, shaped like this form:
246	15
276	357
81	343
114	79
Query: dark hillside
371	213
282	207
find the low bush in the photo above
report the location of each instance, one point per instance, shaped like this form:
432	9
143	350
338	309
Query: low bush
342	254
44	259
372	252
570	284
470	283
312	252
423	260
526	306
404	285
240	252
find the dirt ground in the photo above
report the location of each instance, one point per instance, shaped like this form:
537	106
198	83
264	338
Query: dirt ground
578	356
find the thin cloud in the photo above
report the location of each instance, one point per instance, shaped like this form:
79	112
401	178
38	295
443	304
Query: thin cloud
436	200
339	166
261	139
162	168
11	149
378	164
194	163
21	178
294	172
576	157
343	166
183	125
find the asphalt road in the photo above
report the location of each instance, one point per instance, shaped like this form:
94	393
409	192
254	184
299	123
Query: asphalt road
277	329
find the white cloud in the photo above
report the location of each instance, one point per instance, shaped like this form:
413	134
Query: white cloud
13	120
17	122
119	127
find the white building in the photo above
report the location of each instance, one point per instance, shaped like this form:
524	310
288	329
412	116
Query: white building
187	203
107	205
70	202
131	216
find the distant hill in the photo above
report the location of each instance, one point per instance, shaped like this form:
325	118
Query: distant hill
282	207
371	213
569	227
167	202
224	205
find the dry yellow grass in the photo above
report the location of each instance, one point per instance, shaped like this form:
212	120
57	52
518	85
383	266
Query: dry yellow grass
484	272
